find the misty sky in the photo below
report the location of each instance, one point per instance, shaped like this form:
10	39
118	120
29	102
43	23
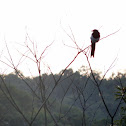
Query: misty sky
45	22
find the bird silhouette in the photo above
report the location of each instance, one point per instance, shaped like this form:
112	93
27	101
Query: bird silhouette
95	36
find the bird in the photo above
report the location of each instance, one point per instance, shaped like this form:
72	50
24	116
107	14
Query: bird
95	36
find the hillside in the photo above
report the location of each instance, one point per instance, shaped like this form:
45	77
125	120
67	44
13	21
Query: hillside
74	101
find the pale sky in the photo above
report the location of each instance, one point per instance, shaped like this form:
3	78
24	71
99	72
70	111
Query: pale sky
46	20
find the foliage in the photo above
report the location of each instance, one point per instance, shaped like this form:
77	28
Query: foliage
121	94
64	102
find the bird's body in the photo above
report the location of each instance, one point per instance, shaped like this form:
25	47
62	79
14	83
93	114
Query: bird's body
94	38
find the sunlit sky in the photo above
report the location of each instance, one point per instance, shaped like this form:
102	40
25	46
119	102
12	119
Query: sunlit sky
46	21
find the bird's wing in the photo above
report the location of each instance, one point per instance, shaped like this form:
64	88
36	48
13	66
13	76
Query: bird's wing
93	40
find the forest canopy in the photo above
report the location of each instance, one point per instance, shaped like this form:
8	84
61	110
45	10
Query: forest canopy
75	101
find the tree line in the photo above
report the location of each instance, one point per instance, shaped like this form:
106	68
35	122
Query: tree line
75	100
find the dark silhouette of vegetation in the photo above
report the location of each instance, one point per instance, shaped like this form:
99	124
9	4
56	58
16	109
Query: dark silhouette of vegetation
75	101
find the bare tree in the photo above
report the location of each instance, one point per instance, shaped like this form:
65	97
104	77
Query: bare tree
97	84
39	88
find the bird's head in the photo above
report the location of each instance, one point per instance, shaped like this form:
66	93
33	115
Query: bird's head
95	30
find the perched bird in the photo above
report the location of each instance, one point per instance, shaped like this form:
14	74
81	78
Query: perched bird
94	38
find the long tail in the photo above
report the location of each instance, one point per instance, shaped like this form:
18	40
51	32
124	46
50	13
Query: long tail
92	49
